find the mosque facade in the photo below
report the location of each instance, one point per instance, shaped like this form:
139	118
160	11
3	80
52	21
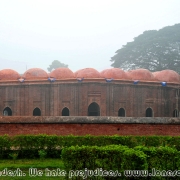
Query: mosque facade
87	92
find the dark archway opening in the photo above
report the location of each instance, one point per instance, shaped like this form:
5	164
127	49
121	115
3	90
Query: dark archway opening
175	113
65	112
93	109
121	112
149	112
36	112
7	112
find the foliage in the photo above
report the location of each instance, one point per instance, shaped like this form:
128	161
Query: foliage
28	146
56	64
153	50
42	154
92	152
153	160
161	159
14	156
5	145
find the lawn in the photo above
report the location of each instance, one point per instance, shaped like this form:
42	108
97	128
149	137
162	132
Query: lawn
32	169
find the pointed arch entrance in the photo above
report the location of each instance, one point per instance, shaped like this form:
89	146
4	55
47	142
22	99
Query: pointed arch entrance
65	112
121	112
93	109
149	112
7	112
175	113
36	112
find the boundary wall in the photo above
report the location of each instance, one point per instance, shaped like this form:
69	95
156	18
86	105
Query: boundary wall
83	125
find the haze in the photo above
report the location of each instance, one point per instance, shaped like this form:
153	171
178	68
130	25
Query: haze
79	33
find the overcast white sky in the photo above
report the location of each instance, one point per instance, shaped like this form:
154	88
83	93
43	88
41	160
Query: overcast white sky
80	33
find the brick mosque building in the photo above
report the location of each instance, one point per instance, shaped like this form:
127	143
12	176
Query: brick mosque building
87	92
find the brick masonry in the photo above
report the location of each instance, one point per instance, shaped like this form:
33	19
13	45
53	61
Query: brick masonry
89	125
51	98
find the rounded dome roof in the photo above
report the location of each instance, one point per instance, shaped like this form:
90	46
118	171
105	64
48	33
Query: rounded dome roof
167	75
62	73
87	73
9	74
114	73
102	73
75	73
35	73
140	74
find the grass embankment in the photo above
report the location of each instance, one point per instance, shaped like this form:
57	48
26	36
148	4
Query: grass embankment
29	169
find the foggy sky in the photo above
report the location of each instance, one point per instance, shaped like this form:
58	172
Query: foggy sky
80	33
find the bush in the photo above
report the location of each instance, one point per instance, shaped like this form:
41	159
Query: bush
29	145
116	158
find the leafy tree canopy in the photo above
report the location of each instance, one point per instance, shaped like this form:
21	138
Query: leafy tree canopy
153	50
56	64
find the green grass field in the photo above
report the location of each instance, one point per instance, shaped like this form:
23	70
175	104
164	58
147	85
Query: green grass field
31	169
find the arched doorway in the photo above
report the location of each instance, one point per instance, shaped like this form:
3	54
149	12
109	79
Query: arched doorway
121	112
93	109
65	112
175	113
7	112
149	112
36	112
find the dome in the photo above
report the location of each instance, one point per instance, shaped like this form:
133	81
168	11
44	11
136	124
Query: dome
140	74
35	73
102	73
167	75
9	74
114	73
75	73
62	73
87	73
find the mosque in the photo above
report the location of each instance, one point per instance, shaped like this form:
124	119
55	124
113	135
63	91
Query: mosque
87	92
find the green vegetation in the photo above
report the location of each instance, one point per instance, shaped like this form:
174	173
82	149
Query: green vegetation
42	154
14	155
72	153
153	50
117	159
26	165
56	64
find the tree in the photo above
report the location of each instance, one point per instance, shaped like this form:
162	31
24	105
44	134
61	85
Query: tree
56	64
153	50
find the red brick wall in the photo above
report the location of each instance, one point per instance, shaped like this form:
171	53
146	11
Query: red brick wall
93	129
51	98
89	125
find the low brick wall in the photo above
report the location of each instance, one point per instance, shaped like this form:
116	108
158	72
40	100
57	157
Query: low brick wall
82	125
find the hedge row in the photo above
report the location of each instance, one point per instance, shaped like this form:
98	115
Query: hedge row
29	145
90	161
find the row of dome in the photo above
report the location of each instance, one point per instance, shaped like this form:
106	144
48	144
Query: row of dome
112	73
